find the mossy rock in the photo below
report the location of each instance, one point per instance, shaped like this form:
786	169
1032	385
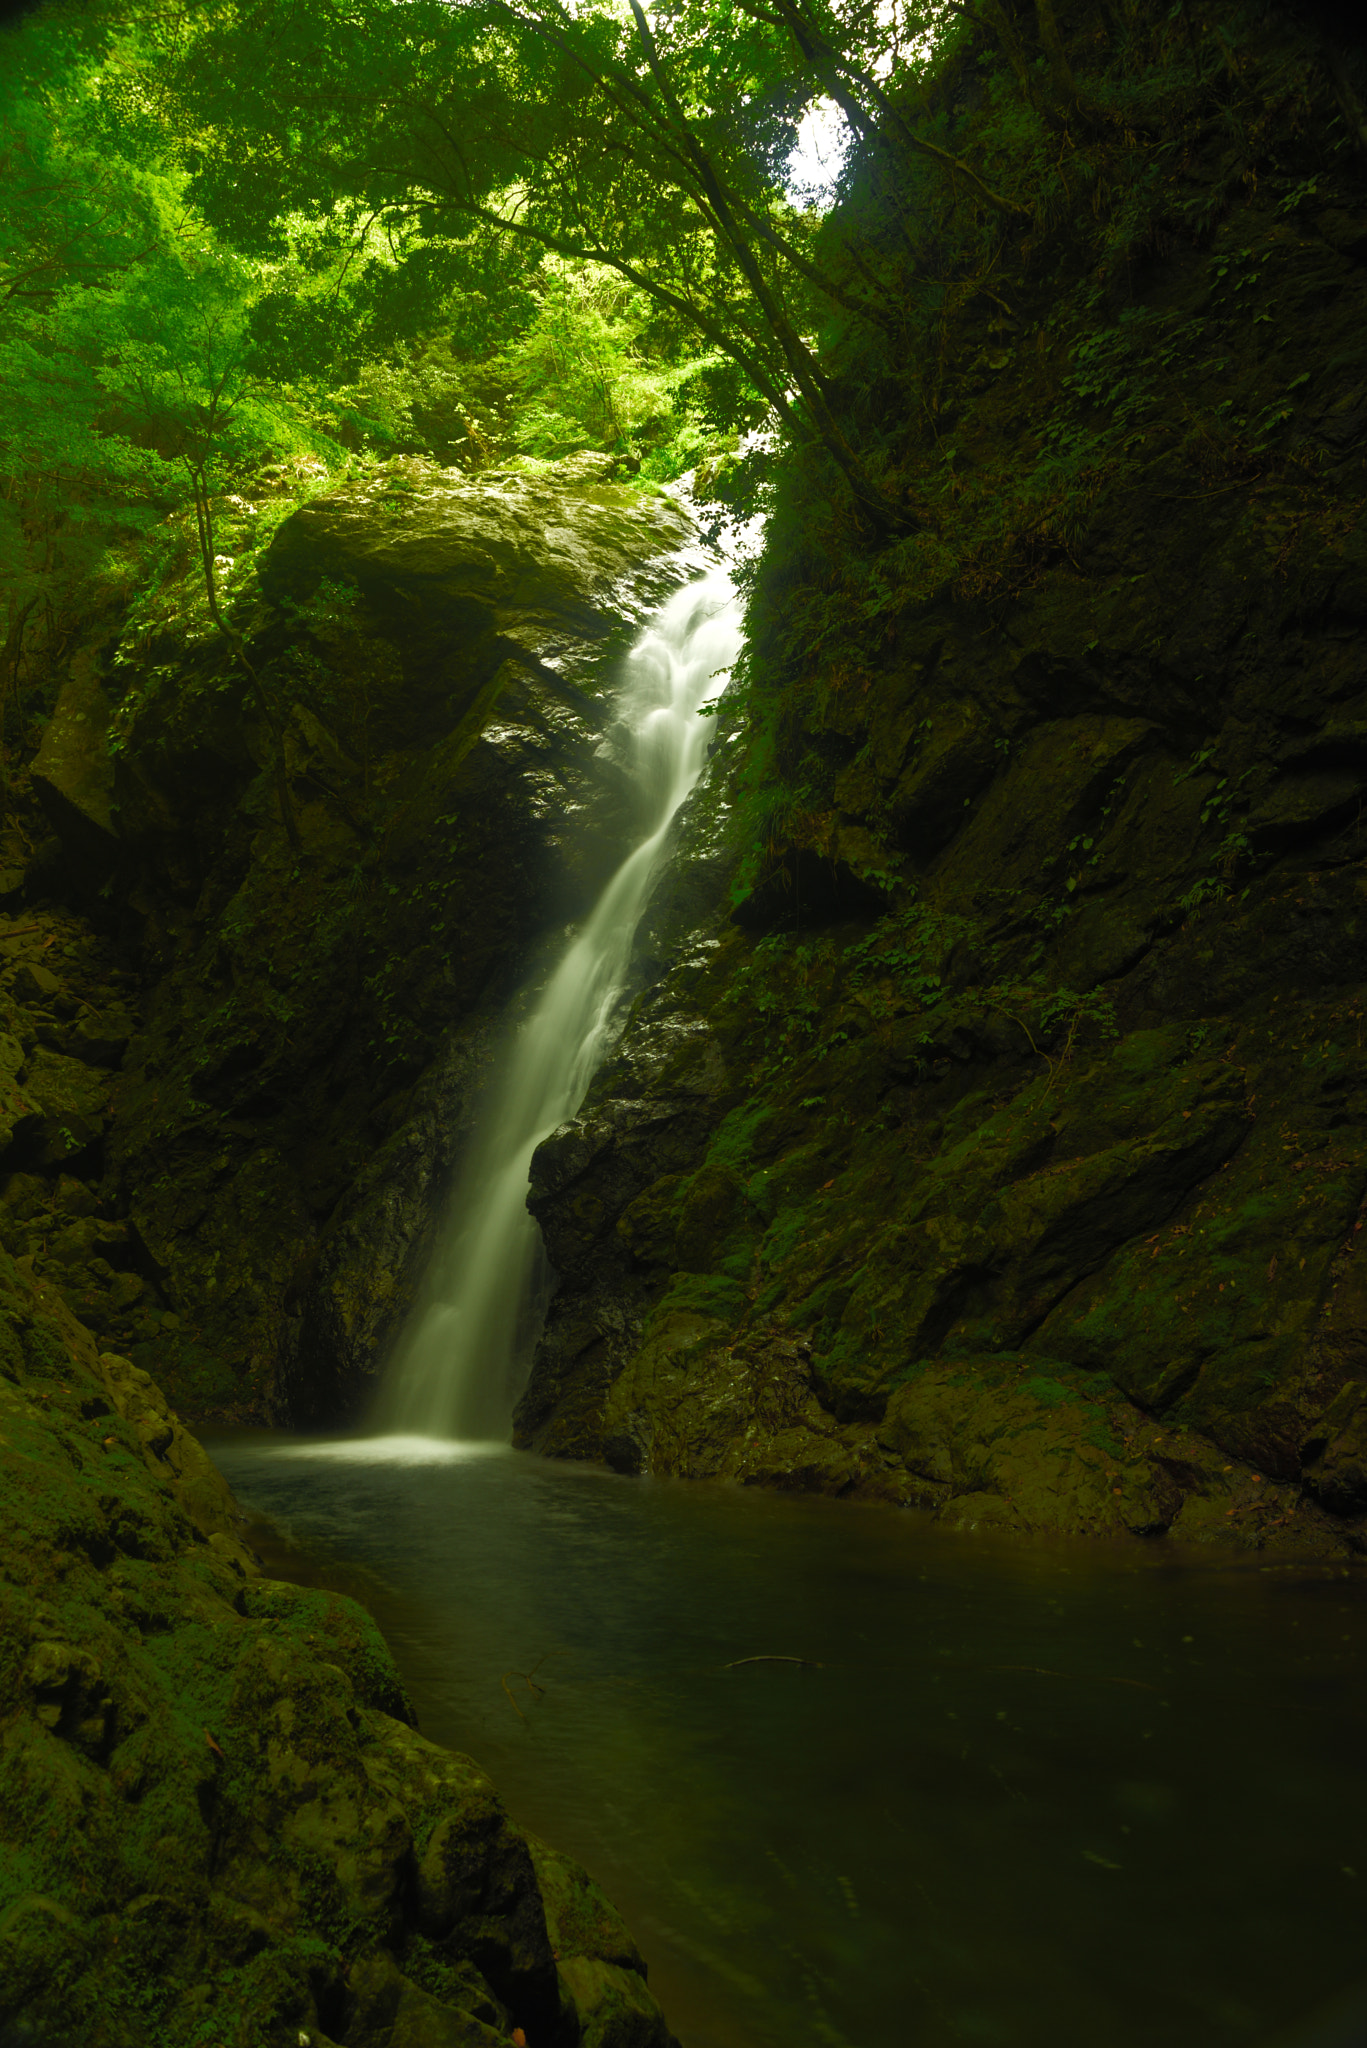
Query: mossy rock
216	1817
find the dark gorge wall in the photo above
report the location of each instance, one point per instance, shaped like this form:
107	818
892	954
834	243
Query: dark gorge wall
233	1144
993	1134
990	1132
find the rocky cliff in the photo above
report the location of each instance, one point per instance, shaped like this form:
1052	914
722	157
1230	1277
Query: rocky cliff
245	1083
992	1134
989	1134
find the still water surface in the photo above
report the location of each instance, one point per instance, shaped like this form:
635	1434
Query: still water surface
1039	1797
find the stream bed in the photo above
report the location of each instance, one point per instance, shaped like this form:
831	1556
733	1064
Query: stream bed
1053	1797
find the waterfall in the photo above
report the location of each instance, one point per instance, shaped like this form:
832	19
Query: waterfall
463	1358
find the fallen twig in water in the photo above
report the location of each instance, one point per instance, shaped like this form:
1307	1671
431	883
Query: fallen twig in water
1096	1677
511	1701
537	1691
810	1662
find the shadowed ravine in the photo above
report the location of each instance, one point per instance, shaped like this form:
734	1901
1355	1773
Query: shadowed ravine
814	1285
854	1783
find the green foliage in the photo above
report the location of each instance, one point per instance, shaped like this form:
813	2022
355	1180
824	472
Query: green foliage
1066	1009
908	951
131	388
652	148
588	366
168	397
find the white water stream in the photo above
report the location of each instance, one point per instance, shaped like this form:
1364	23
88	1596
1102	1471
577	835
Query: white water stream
461	1362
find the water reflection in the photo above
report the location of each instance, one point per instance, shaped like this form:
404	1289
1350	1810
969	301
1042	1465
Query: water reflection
1037	1797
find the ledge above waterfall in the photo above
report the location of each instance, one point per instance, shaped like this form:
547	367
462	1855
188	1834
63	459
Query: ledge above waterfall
536	554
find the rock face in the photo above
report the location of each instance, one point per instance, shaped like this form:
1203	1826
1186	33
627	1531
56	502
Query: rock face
534	565
73	776
433	655
998	1142
217	1819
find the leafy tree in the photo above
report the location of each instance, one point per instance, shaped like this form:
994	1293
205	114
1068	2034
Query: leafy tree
147	368
174	349
69	219
652	150
127	357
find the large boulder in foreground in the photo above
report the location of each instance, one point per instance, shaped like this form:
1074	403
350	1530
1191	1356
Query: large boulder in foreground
218	1822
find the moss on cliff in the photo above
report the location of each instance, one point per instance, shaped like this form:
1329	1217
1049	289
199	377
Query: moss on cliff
1026	1043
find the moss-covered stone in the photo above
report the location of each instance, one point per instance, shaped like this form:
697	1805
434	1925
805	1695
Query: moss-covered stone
217	1821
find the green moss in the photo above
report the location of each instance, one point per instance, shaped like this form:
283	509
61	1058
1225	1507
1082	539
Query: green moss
732	1144
783	1239
205	1382
705	1294
208	1793
1050	1393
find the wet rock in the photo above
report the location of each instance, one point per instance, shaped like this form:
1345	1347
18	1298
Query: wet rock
320	1022
99	1039
538	558
72	1103
19	1114
1336	1455
601	1971
174	1715
360	1281
613	2006
34	983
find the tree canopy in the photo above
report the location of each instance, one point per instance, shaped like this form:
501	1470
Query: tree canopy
312	233
158	346
474	133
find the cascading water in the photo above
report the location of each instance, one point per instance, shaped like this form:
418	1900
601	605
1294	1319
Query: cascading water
458	1369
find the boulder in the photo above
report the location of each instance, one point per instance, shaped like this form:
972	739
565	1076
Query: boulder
33	983
540	556
73	776
72	1101
19	1114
